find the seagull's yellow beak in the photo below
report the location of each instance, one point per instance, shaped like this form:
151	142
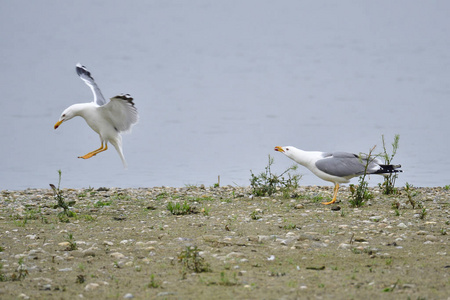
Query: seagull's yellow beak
278	148
58	123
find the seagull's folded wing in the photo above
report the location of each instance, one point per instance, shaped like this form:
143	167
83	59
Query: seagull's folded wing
341	164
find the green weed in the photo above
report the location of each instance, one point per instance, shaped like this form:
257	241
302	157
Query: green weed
410	193
153	282
60	198
21	271
72	244
268	183
99	203
423	214
190	259
388	186
254	215
180	209
360	194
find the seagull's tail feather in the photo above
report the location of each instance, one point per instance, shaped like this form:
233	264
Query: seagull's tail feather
118	145
388	169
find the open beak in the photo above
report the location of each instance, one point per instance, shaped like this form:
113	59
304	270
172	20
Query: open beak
278	148
58	123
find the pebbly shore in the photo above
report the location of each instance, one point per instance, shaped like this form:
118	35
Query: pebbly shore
133	243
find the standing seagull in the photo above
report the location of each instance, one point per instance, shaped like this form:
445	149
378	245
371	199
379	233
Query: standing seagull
337	167
107	119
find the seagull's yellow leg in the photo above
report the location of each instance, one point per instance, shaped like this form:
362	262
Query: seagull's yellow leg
336	188
90	154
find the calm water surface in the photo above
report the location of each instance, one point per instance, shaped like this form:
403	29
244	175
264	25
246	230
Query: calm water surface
218	85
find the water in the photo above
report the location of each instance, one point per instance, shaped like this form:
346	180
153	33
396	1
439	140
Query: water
219	84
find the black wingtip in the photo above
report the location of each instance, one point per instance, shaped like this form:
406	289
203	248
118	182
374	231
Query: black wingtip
82	70
125	97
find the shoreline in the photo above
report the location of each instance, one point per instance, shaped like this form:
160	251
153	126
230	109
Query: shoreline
130	243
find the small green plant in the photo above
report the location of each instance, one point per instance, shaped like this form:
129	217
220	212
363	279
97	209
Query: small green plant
268	183
360	194
423	214
254	215
206	210
391	289
410	194
121	196
60	198
180	209
388	186
289	226
72	244
447	187
99	203
2	275
226	281
21	270
153	283
190	259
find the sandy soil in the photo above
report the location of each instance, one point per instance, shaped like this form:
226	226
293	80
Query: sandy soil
125	243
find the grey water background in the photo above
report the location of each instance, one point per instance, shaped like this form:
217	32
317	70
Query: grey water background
218	84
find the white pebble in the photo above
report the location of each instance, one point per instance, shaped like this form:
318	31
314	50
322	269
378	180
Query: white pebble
91	287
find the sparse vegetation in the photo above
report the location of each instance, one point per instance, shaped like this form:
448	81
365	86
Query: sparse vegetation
153	282
423	213
180	209
268	183
190	259
292	249
410	193
360	194
388	186
254	215
61	201
72	244
21	271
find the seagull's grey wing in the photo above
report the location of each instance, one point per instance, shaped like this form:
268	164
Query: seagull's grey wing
85	75
121	112
341	164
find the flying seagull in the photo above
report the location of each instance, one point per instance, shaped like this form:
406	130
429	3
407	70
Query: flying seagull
108	119
337	167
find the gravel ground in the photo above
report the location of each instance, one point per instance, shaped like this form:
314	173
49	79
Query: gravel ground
125	243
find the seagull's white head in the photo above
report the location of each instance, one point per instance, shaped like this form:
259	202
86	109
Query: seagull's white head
66	115
286	150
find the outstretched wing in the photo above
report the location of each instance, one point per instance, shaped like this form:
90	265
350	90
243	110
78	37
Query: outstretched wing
85	75
121	112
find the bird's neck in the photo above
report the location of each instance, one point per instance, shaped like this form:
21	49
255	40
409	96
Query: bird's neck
82	109
305	158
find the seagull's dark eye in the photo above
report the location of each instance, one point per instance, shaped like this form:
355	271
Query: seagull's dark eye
287	149
64	115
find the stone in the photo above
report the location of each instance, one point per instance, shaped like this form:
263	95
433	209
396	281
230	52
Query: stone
91	286
117	255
